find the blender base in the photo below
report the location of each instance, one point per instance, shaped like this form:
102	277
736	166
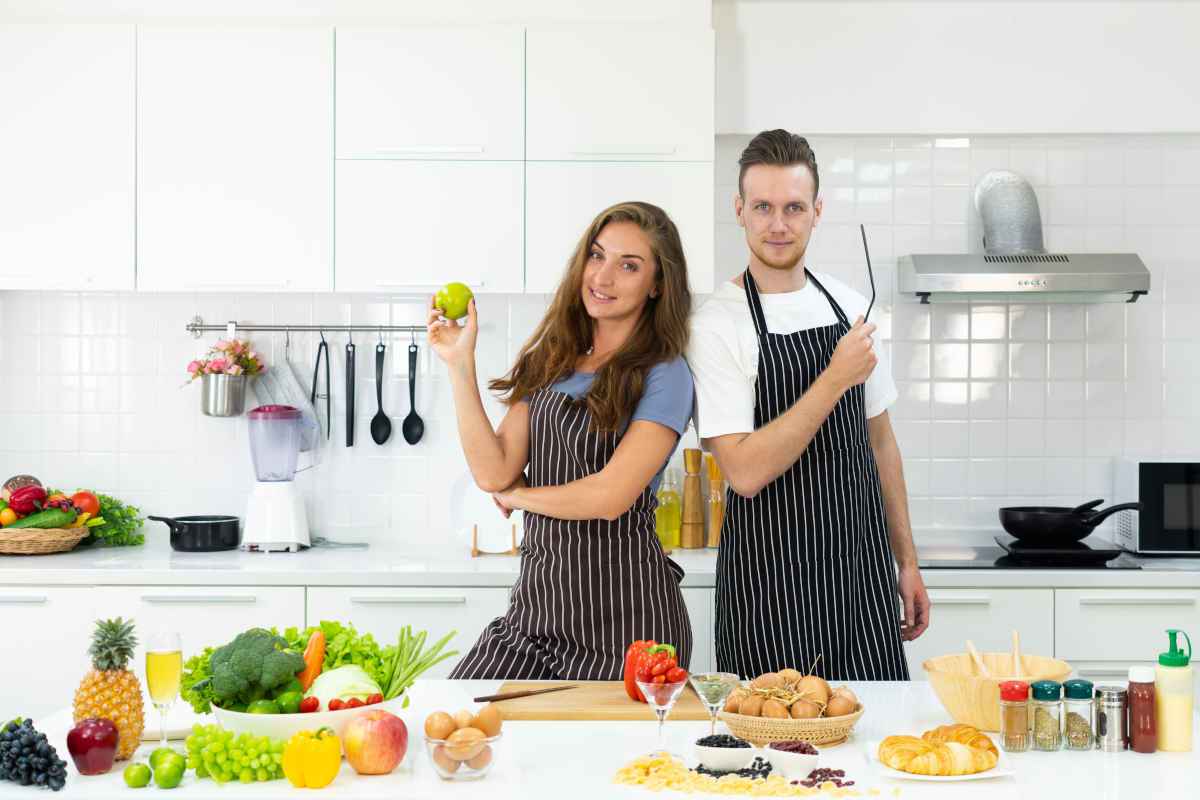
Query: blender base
275	519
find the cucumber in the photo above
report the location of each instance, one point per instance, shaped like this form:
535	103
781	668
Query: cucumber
50	518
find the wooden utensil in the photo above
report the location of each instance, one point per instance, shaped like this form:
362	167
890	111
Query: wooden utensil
496	698
978	661
1018	668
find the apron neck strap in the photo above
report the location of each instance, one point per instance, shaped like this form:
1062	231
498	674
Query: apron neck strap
755	302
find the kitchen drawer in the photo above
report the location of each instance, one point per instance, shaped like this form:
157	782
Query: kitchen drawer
1121	624
987	617
382	612
47	631
700	611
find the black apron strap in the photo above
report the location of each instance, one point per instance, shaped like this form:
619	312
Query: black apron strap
752	300
837	310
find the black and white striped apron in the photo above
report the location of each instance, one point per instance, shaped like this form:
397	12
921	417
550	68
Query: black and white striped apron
805	567
587	588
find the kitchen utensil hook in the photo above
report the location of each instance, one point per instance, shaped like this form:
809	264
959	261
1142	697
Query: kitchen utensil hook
414	336
863	230
381	334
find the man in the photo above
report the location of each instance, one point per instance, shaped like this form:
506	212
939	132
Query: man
793	406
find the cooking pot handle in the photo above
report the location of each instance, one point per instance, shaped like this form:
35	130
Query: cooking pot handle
174	524
1092	520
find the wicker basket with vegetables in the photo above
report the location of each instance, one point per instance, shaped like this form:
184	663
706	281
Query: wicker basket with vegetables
36	520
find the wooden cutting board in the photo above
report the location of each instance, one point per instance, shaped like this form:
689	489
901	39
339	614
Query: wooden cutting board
592	700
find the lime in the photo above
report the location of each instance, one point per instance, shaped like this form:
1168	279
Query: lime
159	754
289	702
263	707
291	686
452	299
137	776
169	772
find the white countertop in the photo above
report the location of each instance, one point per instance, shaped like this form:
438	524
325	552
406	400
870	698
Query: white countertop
579	759
381	565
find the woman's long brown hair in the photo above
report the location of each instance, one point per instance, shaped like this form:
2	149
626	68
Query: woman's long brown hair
565	333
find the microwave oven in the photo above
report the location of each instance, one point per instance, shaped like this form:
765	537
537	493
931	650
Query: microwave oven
1169	491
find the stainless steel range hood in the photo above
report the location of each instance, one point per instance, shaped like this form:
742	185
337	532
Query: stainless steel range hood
1014	266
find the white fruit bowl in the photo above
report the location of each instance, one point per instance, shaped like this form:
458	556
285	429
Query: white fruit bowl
284	726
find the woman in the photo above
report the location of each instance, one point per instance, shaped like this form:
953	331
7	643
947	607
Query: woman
596	403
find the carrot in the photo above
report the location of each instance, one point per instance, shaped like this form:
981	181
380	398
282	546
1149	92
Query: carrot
314	657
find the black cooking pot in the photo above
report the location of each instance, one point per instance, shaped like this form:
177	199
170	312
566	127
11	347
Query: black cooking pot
202	534
1056	524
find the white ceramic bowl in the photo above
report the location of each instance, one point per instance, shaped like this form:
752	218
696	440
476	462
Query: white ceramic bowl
725	759
792	766
284	726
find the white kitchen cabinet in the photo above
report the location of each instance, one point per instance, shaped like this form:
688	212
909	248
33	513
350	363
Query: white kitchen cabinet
413	225
987	617
699	603
620	94
47	631
1124	625
383	611
235	159
66	157
442	93
563	198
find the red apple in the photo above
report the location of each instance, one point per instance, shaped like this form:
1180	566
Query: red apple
93	745
375	742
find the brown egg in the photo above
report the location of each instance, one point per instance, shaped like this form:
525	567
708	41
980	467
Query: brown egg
768	680
443	760
805	709
487	720
735	699
439	725
774	709
839	706
482	760
814	688
790	676
465	743
751	706
462	719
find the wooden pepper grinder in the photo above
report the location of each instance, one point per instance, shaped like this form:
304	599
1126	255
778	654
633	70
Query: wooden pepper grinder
691	526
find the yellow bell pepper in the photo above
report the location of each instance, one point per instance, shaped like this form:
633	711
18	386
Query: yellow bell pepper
312	760
81	520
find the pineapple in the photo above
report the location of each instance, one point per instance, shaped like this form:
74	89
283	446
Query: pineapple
109	690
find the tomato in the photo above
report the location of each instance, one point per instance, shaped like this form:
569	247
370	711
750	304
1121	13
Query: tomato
375	698
86	502
336	704
354	702
309	705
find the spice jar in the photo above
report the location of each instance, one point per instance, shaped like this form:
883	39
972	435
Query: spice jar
1047	715
1112	721
1079	733
1014	716
1143	727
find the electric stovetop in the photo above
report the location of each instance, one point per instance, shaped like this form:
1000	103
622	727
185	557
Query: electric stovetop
1010	553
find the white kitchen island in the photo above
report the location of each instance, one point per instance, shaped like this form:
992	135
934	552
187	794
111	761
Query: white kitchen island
578	760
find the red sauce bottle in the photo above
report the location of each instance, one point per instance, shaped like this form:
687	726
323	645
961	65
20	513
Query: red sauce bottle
1143	729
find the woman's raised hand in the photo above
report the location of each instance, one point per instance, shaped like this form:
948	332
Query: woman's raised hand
454	343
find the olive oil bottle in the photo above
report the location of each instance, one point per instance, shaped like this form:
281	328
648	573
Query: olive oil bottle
667	516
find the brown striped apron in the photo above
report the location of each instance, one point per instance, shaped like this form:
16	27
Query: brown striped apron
587	588
805	568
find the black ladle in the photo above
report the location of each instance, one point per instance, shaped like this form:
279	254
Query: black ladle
870	274
413	426
381	426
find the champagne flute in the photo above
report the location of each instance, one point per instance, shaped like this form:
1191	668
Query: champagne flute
661	697
164	668
714	689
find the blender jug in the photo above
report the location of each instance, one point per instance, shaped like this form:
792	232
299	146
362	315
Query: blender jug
275	433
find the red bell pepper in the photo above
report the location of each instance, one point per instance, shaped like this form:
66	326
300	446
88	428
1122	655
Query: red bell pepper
27	499
631	659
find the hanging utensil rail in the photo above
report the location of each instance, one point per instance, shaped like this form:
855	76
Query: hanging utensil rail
197	328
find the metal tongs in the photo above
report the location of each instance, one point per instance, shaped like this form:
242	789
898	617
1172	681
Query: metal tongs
322	348
870	274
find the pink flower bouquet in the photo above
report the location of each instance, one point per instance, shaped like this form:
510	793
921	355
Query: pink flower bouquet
232	357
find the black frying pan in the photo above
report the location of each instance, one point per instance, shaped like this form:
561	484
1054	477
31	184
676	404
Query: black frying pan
1057	524
202	534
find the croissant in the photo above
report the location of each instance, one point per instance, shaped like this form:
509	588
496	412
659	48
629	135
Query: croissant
963	734
922	757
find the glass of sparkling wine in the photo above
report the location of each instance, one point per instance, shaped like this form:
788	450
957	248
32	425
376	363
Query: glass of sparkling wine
164	667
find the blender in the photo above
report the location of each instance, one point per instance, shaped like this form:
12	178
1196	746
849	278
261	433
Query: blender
275	519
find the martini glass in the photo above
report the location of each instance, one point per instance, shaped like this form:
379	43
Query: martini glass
714	689
661	697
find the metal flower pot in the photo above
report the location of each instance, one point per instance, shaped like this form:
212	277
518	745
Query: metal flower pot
223	395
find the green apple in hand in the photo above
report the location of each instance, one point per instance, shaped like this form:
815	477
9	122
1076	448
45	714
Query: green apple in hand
453	299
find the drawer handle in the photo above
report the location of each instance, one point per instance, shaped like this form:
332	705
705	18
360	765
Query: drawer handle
1116	672
415	600
423	149
199	599
23	599
960	601
1137	601
645	150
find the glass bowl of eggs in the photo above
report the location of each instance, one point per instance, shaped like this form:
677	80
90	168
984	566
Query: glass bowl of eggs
463	746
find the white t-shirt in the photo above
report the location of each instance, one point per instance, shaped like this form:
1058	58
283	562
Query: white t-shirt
723	350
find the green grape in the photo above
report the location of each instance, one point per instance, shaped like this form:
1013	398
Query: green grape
262	774
246	776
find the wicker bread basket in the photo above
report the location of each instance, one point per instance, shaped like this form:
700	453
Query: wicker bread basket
818	731
39	541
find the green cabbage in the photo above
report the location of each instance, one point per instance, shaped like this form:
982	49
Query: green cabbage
343	683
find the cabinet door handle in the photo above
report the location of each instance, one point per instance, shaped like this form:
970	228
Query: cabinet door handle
625	152
973	600
219	286
1120	672
199	599
1137	601
411	600
23	599
422	149
412	285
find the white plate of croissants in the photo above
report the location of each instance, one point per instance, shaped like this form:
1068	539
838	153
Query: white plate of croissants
946	753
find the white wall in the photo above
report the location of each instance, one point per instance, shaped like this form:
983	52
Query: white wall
984	66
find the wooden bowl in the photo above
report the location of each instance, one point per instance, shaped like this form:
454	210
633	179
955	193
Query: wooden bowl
971	698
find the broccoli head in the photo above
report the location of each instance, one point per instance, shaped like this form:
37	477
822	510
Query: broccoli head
253	664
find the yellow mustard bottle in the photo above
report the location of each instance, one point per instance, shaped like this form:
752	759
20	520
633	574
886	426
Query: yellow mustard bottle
667	515
1173	696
